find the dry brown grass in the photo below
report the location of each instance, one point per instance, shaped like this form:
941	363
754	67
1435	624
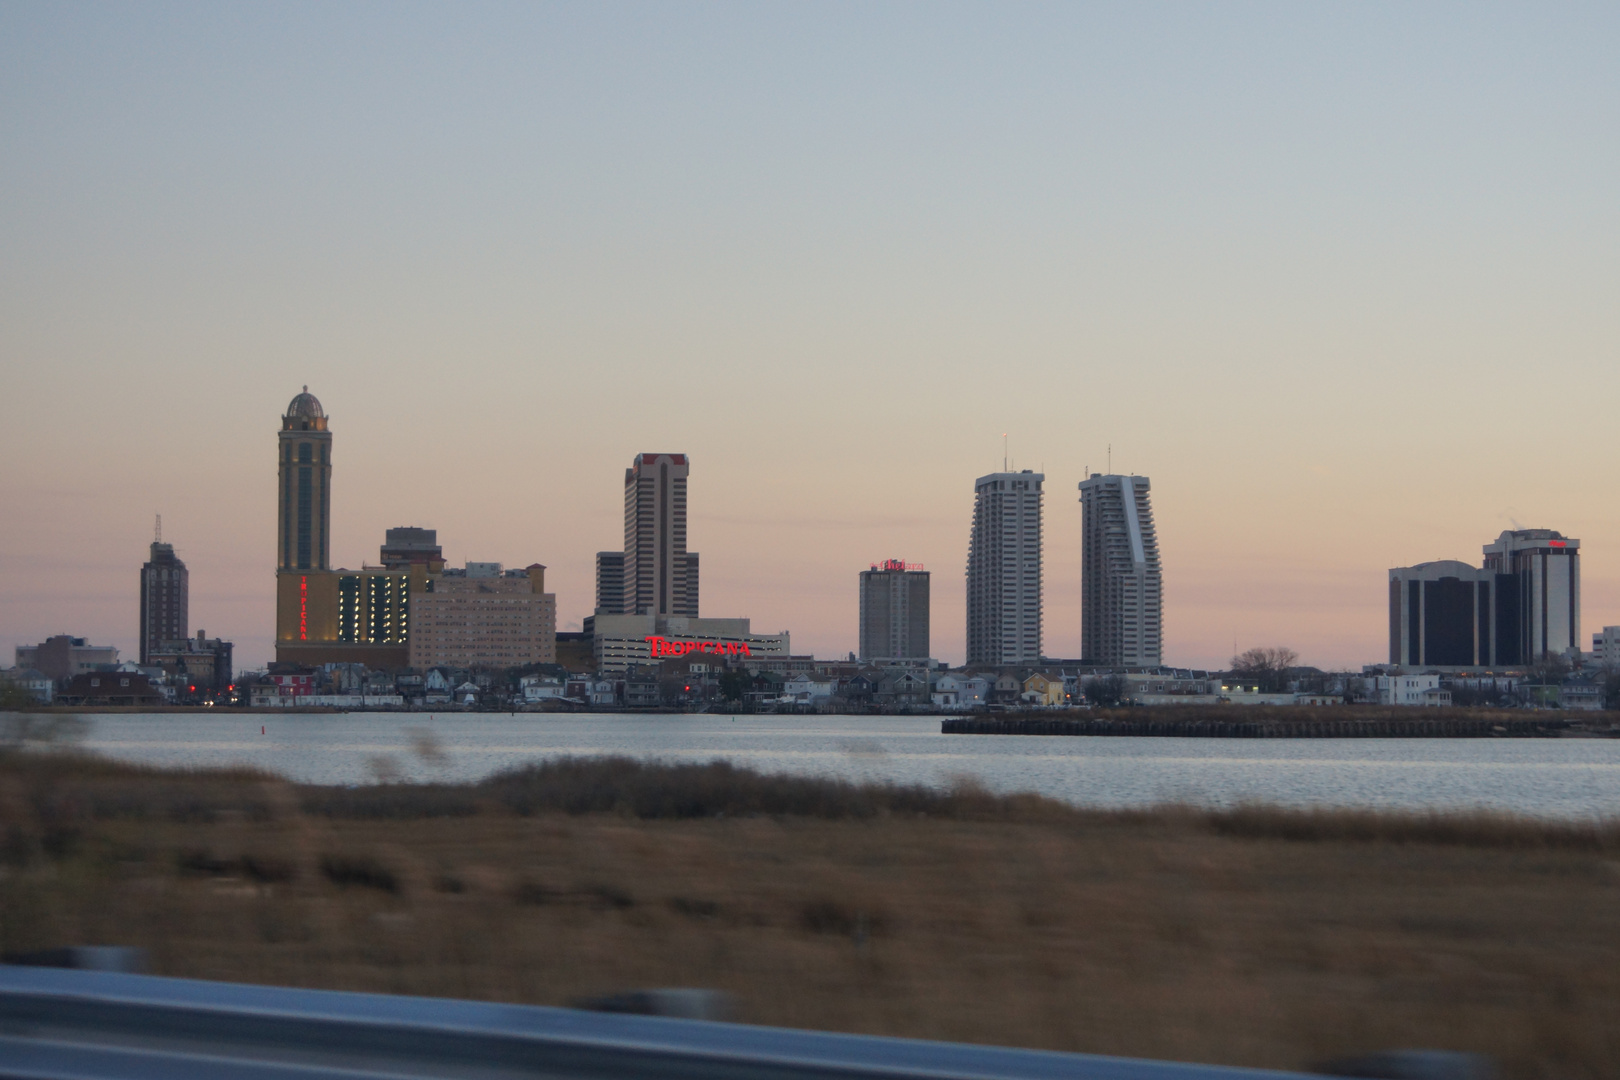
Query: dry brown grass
1254	936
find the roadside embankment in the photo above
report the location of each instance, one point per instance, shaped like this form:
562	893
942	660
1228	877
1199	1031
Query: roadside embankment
1255	935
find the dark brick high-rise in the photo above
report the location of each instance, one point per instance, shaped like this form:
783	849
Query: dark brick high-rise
165	600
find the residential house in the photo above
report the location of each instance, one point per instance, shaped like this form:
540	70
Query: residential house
947	691
1580	692
1006	689
110	688
1405	690
437	685
975	693
904	686
641	689
541	688
32	681
807	689
860	688
1043	691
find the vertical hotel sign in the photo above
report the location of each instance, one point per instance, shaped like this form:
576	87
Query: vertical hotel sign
303	608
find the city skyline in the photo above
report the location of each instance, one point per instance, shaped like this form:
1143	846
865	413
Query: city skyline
1296	265
295	543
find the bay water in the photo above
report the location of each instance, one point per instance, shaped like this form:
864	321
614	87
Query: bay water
1544	777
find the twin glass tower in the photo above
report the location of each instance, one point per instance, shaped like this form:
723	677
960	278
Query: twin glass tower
1121	611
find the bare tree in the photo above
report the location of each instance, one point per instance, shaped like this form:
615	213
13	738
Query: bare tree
1550	668
1106	691
1266	667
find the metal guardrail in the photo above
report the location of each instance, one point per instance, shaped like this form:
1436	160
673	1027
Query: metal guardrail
96	1025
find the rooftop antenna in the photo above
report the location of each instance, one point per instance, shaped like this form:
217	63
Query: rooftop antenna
157	530
1110	459
1003	451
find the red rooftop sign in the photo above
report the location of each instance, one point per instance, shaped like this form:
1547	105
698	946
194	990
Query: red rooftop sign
897	564
659	646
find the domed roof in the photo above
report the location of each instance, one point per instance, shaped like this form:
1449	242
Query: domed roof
305	406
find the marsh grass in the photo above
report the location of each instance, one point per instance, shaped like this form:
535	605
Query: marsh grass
1252	935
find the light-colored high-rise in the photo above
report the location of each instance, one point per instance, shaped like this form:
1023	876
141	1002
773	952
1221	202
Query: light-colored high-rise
1121	584
1538	592
1004	570
660	576
894	611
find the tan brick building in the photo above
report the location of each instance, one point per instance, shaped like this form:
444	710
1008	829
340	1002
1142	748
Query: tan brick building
483	617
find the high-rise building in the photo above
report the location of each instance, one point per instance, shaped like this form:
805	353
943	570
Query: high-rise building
1522	605
610	583
659	573
1545	568
1121	583
1606	647
894	611
165	599
1004	570
1442	614
325	615
304	507
307	591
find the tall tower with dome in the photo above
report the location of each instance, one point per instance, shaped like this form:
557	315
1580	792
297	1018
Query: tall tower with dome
410	609
306	587
304	495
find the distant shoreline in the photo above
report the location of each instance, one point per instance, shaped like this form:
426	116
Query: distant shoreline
1179	721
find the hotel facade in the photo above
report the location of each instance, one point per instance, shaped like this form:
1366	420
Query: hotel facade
894	611
369	616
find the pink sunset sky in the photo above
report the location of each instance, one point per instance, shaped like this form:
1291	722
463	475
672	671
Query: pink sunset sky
1340	280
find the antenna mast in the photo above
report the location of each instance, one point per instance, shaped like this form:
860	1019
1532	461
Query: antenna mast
1003	451
157	530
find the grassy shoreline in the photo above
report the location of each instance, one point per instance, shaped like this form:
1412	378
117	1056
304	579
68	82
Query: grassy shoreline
1253	935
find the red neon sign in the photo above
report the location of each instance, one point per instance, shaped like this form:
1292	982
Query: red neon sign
303	609
659	646
1556	543
897	564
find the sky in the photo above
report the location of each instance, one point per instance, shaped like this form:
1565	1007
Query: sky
1340	279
